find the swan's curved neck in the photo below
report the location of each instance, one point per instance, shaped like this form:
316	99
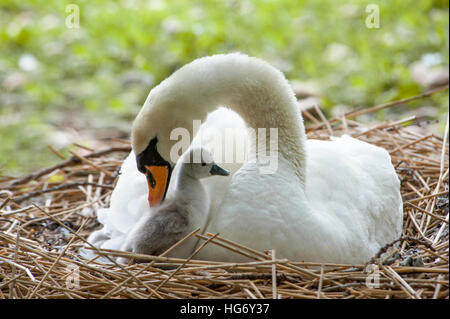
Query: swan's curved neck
258	92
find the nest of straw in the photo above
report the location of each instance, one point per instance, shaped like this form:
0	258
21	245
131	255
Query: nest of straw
45	218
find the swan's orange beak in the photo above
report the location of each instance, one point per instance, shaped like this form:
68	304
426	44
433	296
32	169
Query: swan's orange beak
157	179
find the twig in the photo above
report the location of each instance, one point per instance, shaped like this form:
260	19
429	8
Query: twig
385	105
70	161
319	289
29	195
274	276
19	266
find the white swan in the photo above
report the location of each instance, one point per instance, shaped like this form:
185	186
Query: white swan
328	201
179	214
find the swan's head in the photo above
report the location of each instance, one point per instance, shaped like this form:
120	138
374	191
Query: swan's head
199	163
164	111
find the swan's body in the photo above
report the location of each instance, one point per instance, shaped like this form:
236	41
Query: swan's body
328	201
180	214
338	218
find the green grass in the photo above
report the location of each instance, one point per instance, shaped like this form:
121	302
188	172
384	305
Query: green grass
104	70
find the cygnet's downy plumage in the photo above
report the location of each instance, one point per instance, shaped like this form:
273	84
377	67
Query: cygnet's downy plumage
179	214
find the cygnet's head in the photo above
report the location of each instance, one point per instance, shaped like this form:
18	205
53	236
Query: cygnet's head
199	163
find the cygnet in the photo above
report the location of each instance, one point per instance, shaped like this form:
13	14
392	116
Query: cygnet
184	210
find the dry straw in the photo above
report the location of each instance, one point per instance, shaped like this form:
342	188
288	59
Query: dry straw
45	218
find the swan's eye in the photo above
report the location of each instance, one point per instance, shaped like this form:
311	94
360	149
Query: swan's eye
203	164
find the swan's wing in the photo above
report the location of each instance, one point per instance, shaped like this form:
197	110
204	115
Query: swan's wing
356	183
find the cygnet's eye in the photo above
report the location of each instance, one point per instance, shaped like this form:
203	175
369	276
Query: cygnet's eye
203	164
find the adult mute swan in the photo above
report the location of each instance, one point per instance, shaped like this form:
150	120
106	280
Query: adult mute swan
328	201
180	214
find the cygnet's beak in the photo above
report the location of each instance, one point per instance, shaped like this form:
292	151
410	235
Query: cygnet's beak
217	170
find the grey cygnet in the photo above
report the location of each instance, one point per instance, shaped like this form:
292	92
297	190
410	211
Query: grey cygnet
179	214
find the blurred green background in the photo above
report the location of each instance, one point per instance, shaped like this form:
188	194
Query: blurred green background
60	84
